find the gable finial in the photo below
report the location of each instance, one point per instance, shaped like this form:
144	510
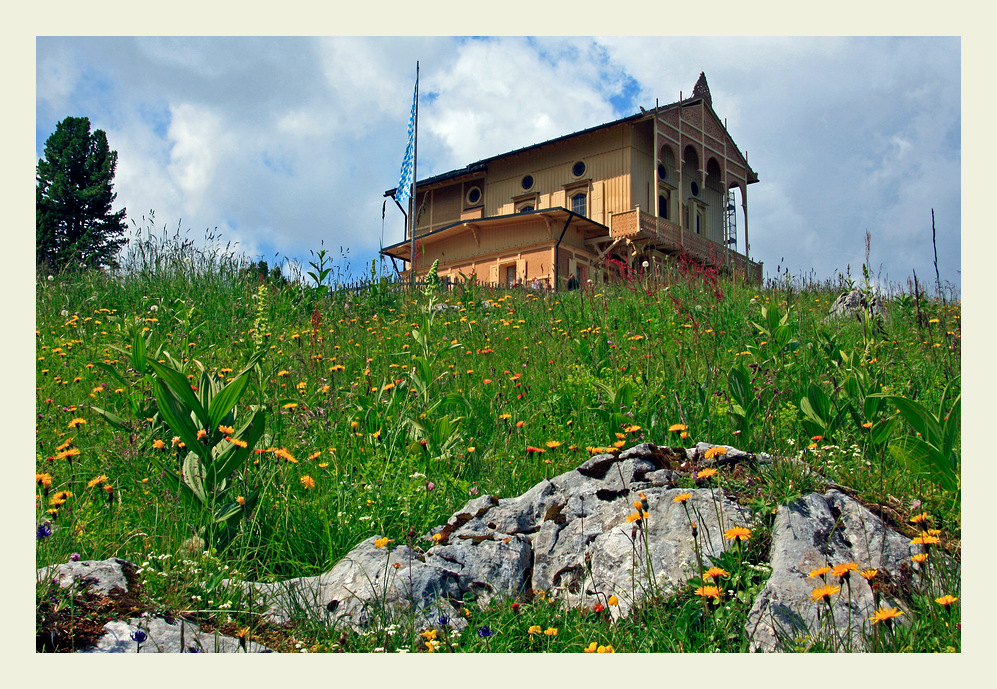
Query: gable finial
702	89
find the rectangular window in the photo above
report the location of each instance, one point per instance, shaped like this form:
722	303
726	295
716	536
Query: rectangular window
510	275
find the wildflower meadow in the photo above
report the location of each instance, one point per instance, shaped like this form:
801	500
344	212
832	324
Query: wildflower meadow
213	422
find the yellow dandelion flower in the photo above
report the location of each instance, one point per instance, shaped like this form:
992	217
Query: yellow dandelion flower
920	518
45	480
632	429
920	558
553	443
868	574
290	405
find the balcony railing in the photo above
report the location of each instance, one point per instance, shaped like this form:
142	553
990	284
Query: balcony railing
670	237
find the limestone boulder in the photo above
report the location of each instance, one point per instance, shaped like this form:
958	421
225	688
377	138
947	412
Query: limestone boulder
813	532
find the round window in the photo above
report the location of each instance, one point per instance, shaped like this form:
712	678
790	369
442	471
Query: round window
662	172
694	188
527	182
473	196
578	169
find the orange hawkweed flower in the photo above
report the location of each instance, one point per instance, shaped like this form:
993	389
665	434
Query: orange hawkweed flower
708	592
77	422
613	601
158	444
682	497
841	571
925	539
382	542
706	473
236	441
202	434
738	532
307	481
715	452
824	592
819	572
96	481
868	574
886	613
226	430
44	480
715	573
946	600
920	558
678	427
920	518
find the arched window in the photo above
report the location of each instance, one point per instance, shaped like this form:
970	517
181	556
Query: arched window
578	204
663	206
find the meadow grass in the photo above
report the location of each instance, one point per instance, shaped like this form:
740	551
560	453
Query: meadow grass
387	409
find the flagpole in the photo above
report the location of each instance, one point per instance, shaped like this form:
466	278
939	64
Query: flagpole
412	199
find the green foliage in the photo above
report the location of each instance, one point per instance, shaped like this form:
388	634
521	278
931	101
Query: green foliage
933	452
403	405
74	226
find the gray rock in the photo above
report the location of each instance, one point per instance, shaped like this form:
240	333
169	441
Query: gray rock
568	536
816	531
853	303
163	637
100	576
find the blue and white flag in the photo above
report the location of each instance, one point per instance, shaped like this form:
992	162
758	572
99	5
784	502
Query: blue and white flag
404	191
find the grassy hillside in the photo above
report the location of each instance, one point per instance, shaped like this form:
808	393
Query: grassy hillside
383	411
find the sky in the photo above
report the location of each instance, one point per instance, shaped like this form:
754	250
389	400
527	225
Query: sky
284	145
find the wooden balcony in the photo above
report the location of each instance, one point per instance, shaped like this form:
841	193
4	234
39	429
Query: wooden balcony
666	236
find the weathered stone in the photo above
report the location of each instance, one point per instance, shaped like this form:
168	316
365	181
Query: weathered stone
100	576
817	531
163	637
853	303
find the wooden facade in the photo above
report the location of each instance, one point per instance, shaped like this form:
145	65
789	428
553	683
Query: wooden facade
638	189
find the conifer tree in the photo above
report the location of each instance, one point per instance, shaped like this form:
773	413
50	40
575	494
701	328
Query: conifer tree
74	226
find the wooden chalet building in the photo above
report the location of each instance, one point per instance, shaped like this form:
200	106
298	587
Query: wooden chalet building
661	182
